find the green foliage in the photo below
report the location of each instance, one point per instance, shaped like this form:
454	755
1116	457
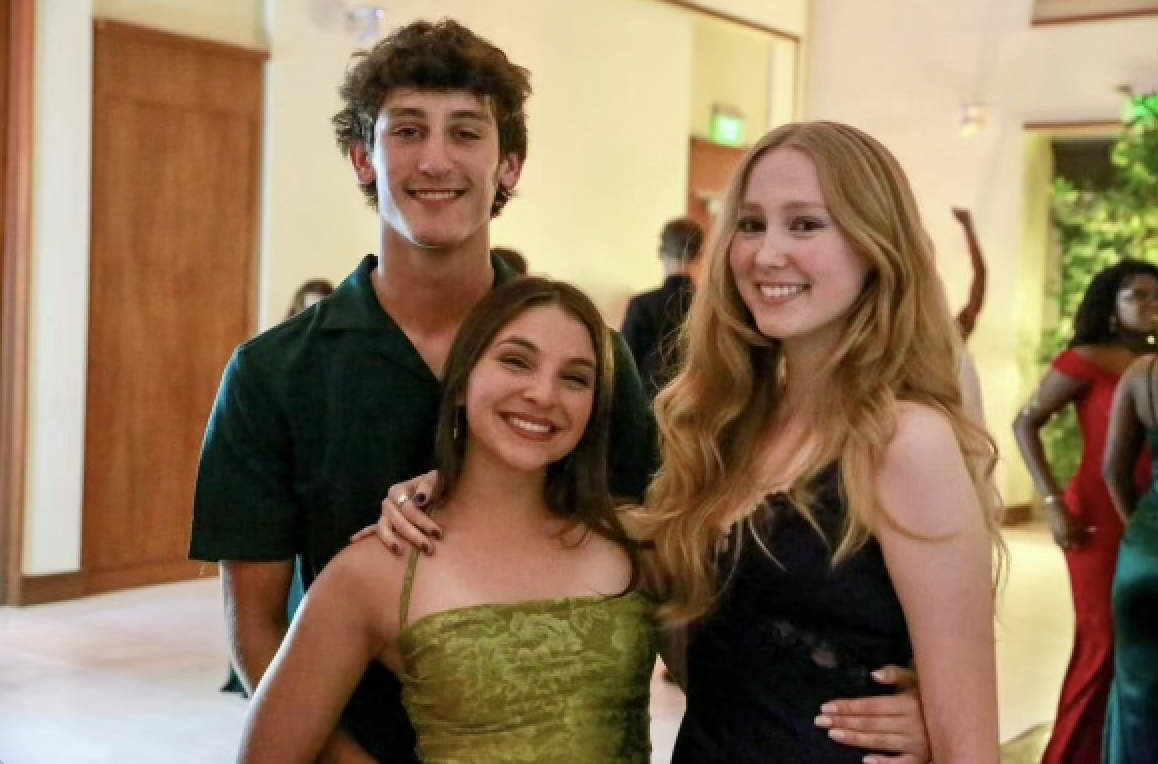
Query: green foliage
1095	230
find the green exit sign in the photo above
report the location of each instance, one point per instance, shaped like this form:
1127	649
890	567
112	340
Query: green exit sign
727	129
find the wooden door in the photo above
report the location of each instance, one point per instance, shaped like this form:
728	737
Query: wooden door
710	168
175	193
5	63
8	526
17	40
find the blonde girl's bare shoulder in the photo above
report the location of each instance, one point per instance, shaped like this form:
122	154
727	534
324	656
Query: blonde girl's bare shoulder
919	424
924	460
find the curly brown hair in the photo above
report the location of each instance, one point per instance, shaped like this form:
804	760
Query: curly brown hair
433	56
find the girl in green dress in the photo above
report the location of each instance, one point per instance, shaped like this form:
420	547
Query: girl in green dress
1131	735
541	656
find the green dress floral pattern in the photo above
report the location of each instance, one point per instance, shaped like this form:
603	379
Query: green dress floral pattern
538	682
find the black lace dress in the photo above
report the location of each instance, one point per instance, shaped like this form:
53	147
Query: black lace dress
789	633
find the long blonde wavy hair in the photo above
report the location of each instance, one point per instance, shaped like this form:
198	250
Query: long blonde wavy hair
899	344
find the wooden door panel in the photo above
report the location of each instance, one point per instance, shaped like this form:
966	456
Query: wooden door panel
710	168
176	145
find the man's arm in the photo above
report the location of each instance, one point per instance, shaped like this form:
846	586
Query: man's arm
255	614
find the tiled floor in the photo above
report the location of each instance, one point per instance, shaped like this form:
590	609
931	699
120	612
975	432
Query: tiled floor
131	678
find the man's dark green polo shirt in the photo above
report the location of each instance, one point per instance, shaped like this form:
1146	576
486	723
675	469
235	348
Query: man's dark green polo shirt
315	419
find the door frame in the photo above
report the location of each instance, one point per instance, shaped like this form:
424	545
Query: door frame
15	254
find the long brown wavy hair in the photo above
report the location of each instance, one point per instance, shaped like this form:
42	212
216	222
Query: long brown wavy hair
898	344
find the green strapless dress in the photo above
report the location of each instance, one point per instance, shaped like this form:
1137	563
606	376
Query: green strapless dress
566	680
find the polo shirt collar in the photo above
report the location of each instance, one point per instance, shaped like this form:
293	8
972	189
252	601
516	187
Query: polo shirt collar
354	304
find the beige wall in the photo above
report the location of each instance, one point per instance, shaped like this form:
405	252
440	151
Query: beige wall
239	22
903	76
732	66
59	286
608	164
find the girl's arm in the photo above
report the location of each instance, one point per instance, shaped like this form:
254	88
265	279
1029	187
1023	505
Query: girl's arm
967	318
939	557
1056	391
1126	436
336	634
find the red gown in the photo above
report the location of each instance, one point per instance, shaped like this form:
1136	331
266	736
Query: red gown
1081	714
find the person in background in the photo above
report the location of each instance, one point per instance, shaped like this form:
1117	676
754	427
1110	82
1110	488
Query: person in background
513	258
654	318
308	295
967	317
1131	735
1114	324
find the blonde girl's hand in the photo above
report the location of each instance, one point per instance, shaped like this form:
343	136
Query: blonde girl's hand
404	522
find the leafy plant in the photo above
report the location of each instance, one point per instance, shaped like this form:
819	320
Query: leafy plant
1096	229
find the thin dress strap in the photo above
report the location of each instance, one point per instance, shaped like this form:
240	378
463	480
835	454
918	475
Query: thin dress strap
407	586
1150	389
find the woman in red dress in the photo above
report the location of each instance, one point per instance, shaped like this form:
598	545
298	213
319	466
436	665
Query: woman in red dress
1114	325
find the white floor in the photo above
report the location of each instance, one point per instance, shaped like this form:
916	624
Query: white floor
132	677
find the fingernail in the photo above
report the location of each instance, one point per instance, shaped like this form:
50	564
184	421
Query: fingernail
879	675
437	534
823	721
428	550
837	734
419	498
870	760
828	708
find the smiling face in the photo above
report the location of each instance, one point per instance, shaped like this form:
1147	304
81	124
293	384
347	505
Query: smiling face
529	398
792	267
436	164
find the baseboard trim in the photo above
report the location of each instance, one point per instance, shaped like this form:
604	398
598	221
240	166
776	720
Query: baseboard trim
60	587
1017	514
53	587
100	582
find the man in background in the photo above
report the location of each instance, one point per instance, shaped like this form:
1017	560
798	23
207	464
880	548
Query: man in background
654	318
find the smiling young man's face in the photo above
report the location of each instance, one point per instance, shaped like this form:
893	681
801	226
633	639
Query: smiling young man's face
437	165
